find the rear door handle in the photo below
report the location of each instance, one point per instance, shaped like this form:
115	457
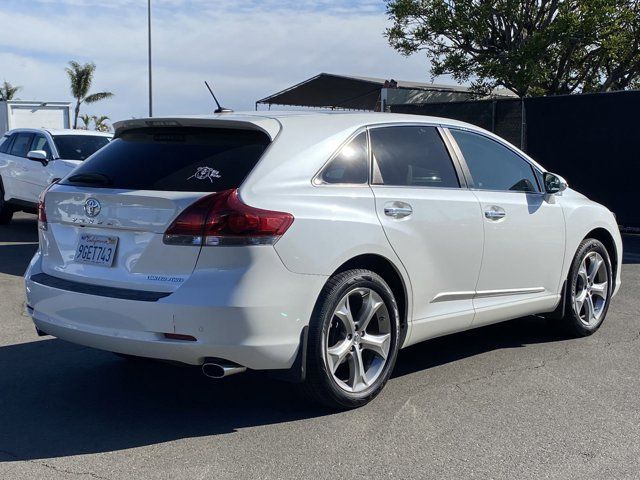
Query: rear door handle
397	209
495	213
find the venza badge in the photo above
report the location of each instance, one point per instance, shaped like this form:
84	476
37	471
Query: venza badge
92	207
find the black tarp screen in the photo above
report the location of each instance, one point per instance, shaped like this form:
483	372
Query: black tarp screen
588	139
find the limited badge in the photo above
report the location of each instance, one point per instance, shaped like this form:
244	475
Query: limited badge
204	173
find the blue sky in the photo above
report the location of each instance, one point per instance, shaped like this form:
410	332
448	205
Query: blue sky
247	48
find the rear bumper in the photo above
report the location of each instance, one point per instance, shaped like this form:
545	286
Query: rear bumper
253	318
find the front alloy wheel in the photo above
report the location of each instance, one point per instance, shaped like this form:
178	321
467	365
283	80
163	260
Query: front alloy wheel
589	288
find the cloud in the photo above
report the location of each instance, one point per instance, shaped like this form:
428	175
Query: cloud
247	48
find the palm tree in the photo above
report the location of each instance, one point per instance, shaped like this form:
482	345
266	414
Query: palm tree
101	124
8	91
86	119
81	77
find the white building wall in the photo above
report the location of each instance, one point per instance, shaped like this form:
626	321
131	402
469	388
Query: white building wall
21	114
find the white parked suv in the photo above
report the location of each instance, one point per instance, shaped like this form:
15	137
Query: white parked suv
32	158
314	245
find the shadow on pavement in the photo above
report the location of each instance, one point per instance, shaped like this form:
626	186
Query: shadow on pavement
59	399
15	258
22	229
516	333
18	243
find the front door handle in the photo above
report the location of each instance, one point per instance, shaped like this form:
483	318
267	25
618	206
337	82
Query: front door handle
495	213
397	209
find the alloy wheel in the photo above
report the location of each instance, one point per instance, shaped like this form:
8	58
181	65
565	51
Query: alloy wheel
591	289
358	340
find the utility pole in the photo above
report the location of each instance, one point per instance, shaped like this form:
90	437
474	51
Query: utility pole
150	74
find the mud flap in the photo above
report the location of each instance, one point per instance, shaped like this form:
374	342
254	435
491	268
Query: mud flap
558	313
298	371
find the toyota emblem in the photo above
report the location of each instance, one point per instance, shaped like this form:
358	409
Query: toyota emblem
92	207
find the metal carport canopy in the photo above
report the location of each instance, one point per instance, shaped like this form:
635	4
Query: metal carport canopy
327	90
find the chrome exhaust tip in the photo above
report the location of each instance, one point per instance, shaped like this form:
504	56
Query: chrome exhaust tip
218	369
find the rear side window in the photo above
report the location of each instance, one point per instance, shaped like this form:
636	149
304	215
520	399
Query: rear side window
174	159
493	166
21	144
4	143
350	165
411	156
78	147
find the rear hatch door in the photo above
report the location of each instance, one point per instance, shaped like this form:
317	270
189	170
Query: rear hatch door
106	220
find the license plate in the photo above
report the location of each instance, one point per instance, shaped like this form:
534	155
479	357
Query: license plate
96	250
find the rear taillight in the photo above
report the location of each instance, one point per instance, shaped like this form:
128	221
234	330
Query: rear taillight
222	219
42	213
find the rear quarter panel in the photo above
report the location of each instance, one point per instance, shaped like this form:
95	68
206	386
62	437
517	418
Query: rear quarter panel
333	224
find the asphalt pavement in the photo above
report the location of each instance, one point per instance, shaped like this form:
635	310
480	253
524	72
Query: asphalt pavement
516	400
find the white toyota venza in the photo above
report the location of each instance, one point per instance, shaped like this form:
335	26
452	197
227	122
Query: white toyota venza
312	245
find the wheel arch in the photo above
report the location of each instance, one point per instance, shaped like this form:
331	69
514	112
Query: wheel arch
392	275
604	236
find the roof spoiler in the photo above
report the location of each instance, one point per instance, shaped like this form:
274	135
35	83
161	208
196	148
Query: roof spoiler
155	122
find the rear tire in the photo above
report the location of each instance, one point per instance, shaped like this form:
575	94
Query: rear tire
589	288
6	210
353	340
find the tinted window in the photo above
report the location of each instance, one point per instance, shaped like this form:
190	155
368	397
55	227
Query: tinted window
40	143
174	159
350	165
4	143
413	156
493	166
21	144
78	147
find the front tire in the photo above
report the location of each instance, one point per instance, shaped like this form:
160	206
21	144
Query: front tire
589	288
353	340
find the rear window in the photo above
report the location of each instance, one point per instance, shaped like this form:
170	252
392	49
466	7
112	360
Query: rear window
21	144
78	147
4	143
350	165
176	159
412	156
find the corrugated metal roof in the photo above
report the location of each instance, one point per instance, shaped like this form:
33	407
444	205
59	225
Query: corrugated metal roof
327	90
410	85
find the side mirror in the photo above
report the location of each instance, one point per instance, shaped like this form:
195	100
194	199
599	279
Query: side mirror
554	183
38	156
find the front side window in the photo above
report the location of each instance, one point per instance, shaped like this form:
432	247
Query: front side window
78	147
40	142
493	166
21	144
412	156
350	165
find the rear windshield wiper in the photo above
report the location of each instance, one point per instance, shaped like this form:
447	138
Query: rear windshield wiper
91	178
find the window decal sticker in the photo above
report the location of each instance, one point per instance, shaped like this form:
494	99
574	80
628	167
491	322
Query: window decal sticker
204	173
